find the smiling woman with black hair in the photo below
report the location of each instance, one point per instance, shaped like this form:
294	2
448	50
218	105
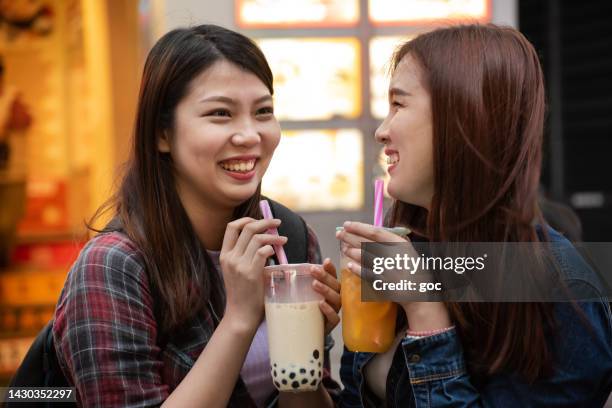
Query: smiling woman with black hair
166	304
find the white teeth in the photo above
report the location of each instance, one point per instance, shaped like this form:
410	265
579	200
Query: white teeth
393	158
239	165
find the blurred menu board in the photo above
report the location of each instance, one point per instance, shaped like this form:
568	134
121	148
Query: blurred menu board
427	11
296	13
315	170
315	78
381	52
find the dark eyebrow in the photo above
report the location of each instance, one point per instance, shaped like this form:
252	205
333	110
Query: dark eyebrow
398	92
265	98
230	101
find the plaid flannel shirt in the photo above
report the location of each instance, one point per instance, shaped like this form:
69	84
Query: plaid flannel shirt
105	331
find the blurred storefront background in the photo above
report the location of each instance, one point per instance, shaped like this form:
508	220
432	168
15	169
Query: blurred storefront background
75	65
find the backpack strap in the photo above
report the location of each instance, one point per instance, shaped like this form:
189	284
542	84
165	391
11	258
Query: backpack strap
54	376
294	228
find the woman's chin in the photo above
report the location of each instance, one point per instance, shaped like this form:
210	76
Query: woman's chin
394	192
239	194
403	195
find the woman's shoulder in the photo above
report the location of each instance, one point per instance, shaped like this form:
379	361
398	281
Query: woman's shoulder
110	252
584	284
573	262
108	270
112	244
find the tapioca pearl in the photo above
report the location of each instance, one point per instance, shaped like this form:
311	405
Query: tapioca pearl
292	375
316	354
274	364
302	371
312	372
319	364
311	361
295	384
304	380
284	382
277	384
319	373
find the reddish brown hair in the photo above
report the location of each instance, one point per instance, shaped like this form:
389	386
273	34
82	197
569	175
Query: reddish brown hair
487	102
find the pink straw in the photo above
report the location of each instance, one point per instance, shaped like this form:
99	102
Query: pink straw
267	214
379	187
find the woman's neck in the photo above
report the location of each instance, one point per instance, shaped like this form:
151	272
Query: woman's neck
209	225
208	220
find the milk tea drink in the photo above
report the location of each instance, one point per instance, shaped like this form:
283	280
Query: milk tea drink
295	328
295	333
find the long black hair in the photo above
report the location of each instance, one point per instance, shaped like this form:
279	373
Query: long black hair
147	206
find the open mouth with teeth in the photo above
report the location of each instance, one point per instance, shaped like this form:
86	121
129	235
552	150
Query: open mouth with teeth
238	166
392	159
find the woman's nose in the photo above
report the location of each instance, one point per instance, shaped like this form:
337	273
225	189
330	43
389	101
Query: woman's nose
382	133
246	136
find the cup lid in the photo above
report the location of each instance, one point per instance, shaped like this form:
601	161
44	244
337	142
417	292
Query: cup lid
401	231
297	269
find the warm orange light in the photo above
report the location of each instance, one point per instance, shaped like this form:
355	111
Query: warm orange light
315	78
296	13
317	170
427	11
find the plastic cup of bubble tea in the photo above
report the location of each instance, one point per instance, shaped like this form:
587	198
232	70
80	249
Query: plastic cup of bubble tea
366	326
295	327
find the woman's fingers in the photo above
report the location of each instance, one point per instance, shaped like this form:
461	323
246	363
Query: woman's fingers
250	229
331	316
371	233
350	239
326	274
330	268
262	254
327	283
355	268
258	241
232	232
331	296
354	254
362	257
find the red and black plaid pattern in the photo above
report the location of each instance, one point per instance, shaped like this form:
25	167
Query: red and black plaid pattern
105	331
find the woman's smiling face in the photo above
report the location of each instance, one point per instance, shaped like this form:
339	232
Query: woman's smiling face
407	133
223	137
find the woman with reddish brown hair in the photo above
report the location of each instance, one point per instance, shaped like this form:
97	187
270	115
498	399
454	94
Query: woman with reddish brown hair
464	143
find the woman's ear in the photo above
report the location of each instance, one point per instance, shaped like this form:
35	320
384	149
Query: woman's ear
163	142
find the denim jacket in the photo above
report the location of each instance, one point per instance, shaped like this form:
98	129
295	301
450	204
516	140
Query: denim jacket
431	371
